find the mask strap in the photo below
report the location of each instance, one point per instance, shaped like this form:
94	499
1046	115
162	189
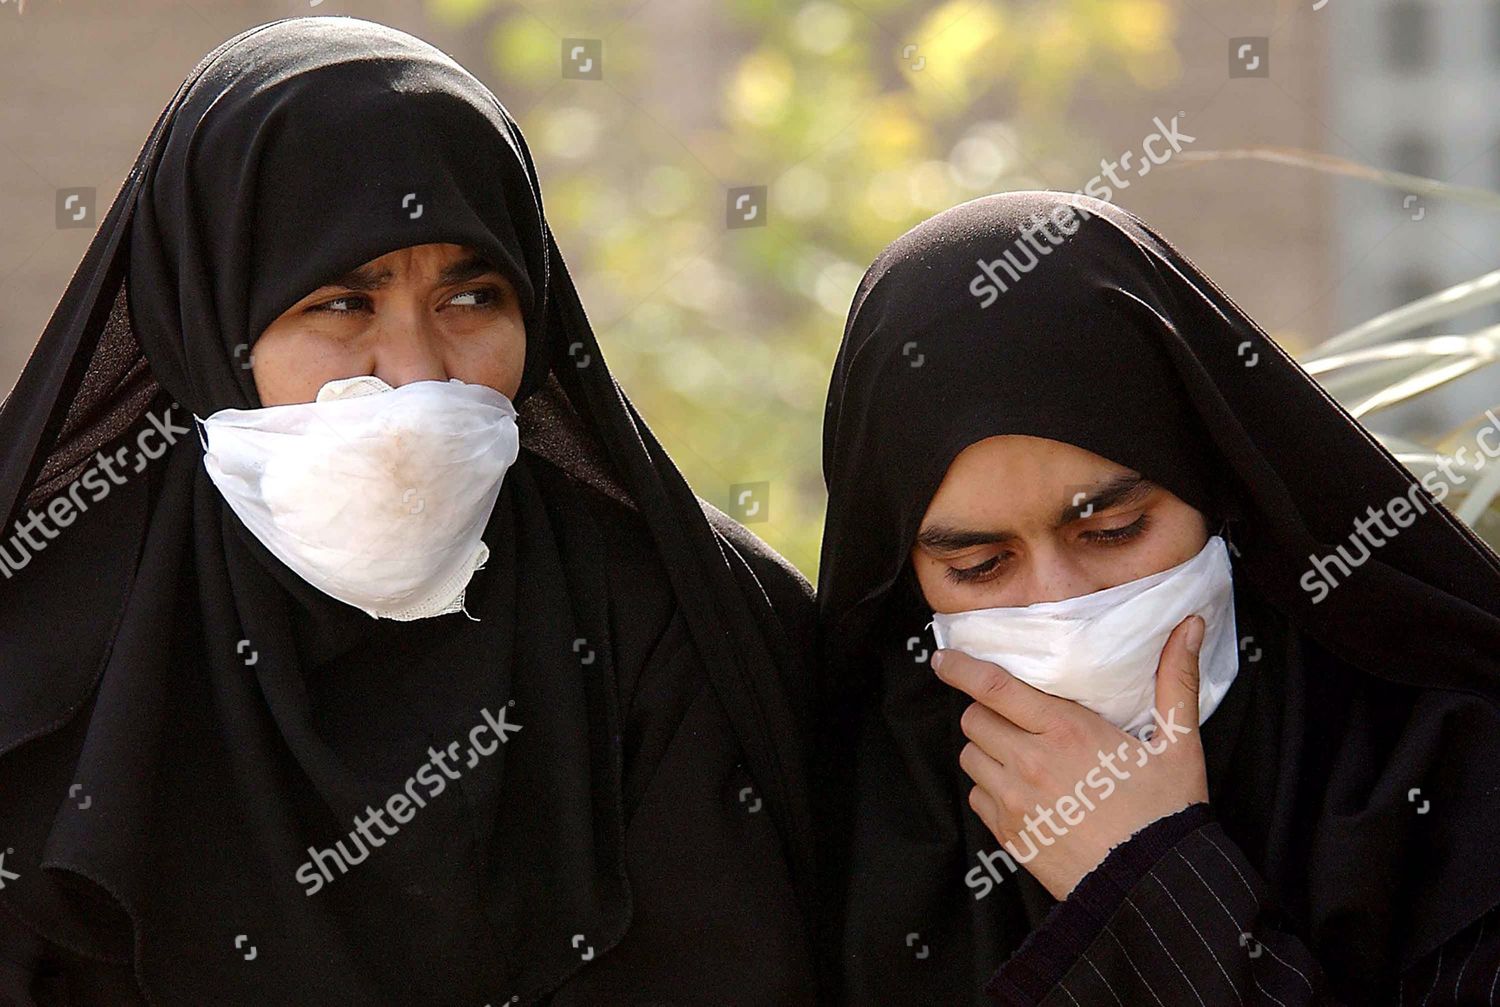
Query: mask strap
199	429
1227	535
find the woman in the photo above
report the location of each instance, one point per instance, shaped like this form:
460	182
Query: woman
359	685
1059	477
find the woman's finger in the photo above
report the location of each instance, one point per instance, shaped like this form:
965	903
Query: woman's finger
988	810
1177	674
995	736
990	684
982	769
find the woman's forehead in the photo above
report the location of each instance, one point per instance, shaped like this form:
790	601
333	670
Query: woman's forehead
429	257
1014	473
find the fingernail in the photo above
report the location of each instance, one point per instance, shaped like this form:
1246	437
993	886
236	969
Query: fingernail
1194	634
937	660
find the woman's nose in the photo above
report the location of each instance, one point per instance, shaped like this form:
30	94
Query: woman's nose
409	349
1055	579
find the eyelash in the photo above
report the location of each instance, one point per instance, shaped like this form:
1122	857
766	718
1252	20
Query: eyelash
1114	536
492	303
990	568
978	573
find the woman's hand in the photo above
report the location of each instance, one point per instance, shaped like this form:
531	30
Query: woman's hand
1054	777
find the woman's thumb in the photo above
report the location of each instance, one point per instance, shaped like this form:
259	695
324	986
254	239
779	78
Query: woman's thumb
1177	672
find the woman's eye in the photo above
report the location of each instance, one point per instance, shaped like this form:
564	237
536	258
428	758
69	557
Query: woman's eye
331	306
476	299
1114	536
979	572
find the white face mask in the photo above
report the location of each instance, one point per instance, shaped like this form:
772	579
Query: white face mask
375	496
1102	649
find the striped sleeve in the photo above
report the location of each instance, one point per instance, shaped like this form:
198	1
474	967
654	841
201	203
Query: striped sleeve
1177	916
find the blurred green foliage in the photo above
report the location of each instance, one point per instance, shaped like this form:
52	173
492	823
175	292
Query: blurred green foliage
861	119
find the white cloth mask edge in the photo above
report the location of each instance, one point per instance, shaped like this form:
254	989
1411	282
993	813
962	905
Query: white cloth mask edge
317	482
1102	649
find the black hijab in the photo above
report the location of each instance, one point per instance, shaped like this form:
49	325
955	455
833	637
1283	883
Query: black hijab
182	717
1111	340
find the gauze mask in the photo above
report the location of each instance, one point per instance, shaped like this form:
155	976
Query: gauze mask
373	495
1102	649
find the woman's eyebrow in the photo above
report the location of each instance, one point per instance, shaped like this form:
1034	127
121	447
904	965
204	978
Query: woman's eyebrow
363	278
465	269
947	538
1126	488
941	538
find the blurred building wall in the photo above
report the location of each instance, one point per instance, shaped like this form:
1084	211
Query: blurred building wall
1413	87
1262	231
